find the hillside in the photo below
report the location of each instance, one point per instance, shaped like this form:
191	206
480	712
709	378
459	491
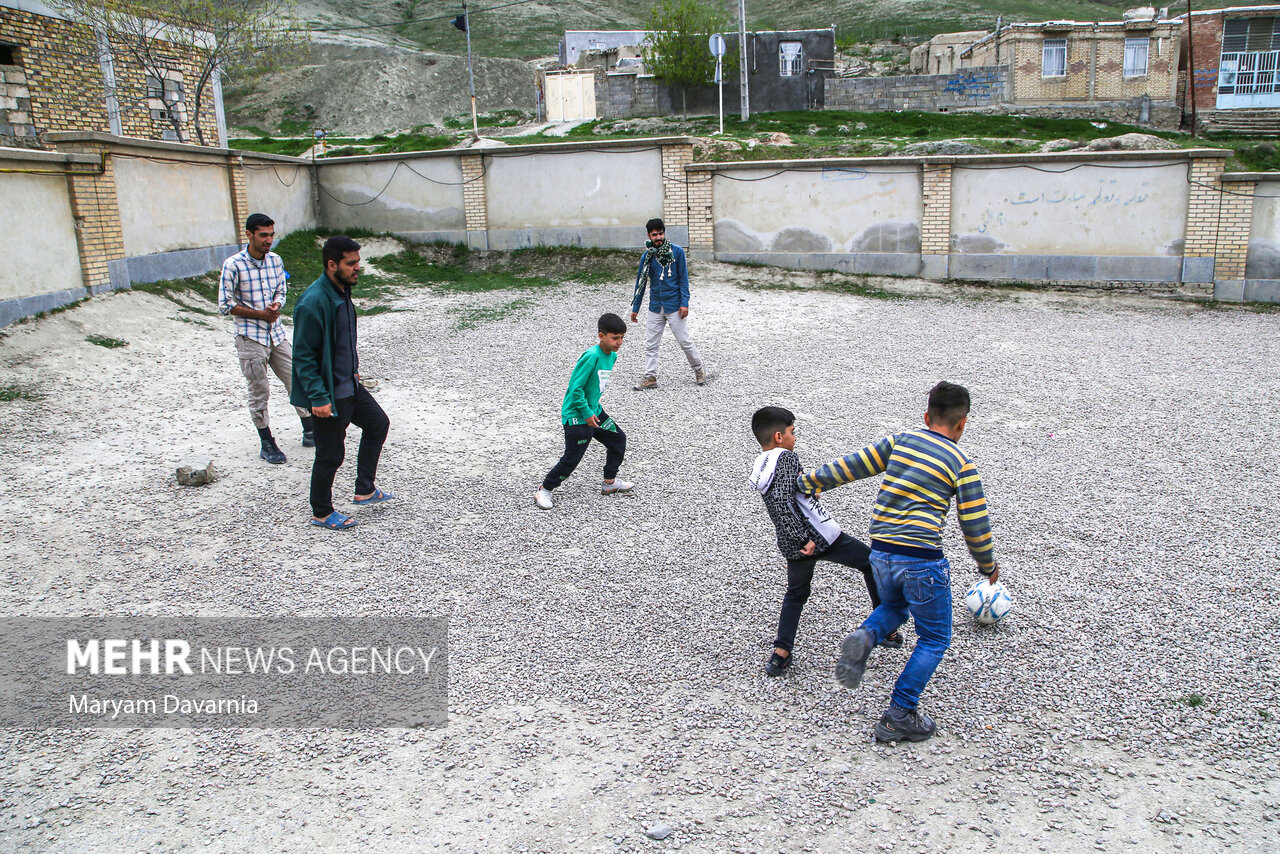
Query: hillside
533	29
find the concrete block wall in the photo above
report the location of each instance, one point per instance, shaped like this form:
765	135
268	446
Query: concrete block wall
620	96
970	87
896	216
1159	231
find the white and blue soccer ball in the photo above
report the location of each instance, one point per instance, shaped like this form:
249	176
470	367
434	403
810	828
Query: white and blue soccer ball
988	602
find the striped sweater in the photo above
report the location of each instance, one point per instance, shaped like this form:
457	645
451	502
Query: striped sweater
922	470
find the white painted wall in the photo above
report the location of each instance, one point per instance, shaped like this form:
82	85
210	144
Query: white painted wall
282	191
1068	209
424	194
1264	239
169	206
40	235
830	209
578	188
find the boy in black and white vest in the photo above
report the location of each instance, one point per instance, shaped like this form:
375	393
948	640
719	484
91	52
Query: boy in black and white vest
806	532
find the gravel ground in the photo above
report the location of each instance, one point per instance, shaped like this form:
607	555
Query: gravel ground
605	658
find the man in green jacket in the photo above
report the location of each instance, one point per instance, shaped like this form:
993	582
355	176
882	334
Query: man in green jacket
326	380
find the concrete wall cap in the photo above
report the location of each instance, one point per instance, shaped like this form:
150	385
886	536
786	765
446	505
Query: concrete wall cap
1249	177
116	142
45	158
517	150
967	159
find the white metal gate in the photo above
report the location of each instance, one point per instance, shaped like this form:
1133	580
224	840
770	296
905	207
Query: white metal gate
571	96
1249	70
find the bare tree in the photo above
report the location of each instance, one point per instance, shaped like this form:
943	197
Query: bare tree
230	37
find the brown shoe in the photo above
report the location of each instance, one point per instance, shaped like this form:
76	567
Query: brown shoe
647	383
700	376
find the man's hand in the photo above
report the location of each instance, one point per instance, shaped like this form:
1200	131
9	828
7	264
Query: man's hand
684	312
809	548
634	317
272	313
325	411
593	421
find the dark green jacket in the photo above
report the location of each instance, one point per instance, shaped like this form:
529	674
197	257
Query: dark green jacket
313	320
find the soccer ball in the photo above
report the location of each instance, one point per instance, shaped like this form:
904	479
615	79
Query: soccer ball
988	602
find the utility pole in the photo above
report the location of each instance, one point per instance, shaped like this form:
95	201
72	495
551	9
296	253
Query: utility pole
463	22
1191	70
742	59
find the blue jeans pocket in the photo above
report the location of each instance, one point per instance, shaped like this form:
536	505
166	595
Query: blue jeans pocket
923	584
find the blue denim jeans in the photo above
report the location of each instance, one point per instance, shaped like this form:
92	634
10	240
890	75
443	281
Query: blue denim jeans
922	588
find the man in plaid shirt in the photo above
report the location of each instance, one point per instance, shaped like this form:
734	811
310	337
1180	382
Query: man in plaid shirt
252	291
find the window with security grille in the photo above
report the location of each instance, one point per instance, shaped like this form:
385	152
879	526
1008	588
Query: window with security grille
1054	58
1250	62
790	58
1135	57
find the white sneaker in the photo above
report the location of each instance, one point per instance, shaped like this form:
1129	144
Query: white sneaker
616	486
543	499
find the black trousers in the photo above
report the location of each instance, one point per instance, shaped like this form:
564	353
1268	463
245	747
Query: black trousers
847	551
576	439
331	441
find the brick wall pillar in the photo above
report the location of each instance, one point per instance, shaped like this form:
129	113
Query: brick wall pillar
702	228
1203	203
475	204
675	196
935	221
239	195
1234	225
96	211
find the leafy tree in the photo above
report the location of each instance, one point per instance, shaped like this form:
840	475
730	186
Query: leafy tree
676	48
230	37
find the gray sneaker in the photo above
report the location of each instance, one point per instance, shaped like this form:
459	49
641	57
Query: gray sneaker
901	725
854	653
700	376
647	383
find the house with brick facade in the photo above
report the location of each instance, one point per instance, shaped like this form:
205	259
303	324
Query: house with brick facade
1131	65
56	75
1232	57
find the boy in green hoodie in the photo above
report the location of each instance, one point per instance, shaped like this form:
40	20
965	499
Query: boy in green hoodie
584	419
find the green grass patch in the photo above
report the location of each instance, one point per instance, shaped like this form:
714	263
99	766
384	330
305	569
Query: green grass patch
1191	701
15	391
469	317
106	341
204	286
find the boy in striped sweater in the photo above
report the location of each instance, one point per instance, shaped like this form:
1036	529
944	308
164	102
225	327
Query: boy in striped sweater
922	469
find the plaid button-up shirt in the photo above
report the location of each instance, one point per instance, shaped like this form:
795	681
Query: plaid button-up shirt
253	284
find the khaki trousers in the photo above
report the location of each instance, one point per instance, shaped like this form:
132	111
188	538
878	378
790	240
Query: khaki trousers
653	338
255	359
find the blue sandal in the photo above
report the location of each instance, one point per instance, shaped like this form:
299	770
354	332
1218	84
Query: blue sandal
335	521
377	498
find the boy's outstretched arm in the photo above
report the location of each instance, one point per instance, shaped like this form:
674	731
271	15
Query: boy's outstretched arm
868	462
971	509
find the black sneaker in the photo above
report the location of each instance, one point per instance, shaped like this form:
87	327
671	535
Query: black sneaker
893	641
271	452
776	664
308	439
854	653
901	725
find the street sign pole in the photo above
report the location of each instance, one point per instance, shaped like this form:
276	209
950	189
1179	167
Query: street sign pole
716	45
